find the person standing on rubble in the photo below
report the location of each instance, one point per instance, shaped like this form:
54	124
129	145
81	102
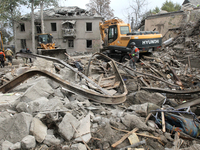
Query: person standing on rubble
2	58
134	55
9	55
29	52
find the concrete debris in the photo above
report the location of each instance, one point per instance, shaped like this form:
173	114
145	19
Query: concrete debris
78	146
51	140
66	127
14	129
41	113
28	142
6	145
38	130
62	11
40	89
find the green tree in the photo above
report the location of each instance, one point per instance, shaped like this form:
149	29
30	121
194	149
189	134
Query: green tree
102	7
156	10
170	6
9	13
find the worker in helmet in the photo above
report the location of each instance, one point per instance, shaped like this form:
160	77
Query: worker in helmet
134	55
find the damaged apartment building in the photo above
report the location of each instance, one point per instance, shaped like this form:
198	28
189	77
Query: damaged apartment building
170	24
72	28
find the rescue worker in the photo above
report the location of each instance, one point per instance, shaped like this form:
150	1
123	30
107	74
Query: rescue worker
29	52
2	58
9	55
134	55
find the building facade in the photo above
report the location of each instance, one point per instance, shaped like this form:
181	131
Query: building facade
72	28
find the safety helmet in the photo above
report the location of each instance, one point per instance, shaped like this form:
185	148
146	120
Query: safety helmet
132	44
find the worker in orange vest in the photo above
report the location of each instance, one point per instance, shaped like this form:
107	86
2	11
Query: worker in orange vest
2	58
134	55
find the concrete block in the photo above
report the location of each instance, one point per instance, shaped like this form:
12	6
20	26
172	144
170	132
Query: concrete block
28	142
78	146
40	89
38	104
6	145
43	64
65	127
16	146
11	128
51	140
38	129
67	74
142	97
83	130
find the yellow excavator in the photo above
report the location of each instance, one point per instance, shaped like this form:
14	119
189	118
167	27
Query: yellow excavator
117	36
47	47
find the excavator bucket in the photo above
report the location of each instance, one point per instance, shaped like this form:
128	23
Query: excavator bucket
58	53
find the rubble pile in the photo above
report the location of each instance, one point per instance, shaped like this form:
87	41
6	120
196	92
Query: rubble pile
160	112
72	11
41	114
186	45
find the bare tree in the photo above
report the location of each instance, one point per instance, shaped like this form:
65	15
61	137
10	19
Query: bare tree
32	26
137	9
102	7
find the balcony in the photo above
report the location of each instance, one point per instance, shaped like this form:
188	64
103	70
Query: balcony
69	33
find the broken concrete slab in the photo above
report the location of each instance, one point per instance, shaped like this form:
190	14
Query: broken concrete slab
38	129
143	109
58	92
28	142
67	74
66	127
6	145
133	121
84	130
38	104
40	89
142	97
30	82
16	146
7	100
51	140
78	146
10	129
23	107
4	115
54	104
44	64
9	76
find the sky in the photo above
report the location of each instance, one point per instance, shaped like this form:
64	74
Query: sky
119	6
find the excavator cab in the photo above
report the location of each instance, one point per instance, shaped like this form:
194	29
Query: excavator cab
45	38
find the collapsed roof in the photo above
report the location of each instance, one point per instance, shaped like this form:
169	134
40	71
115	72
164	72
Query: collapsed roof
62	12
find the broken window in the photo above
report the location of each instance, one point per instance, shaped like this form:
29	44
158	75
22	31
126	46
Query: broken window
38	28
88	26
53	27
23	43
71	43
89	43
22	26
